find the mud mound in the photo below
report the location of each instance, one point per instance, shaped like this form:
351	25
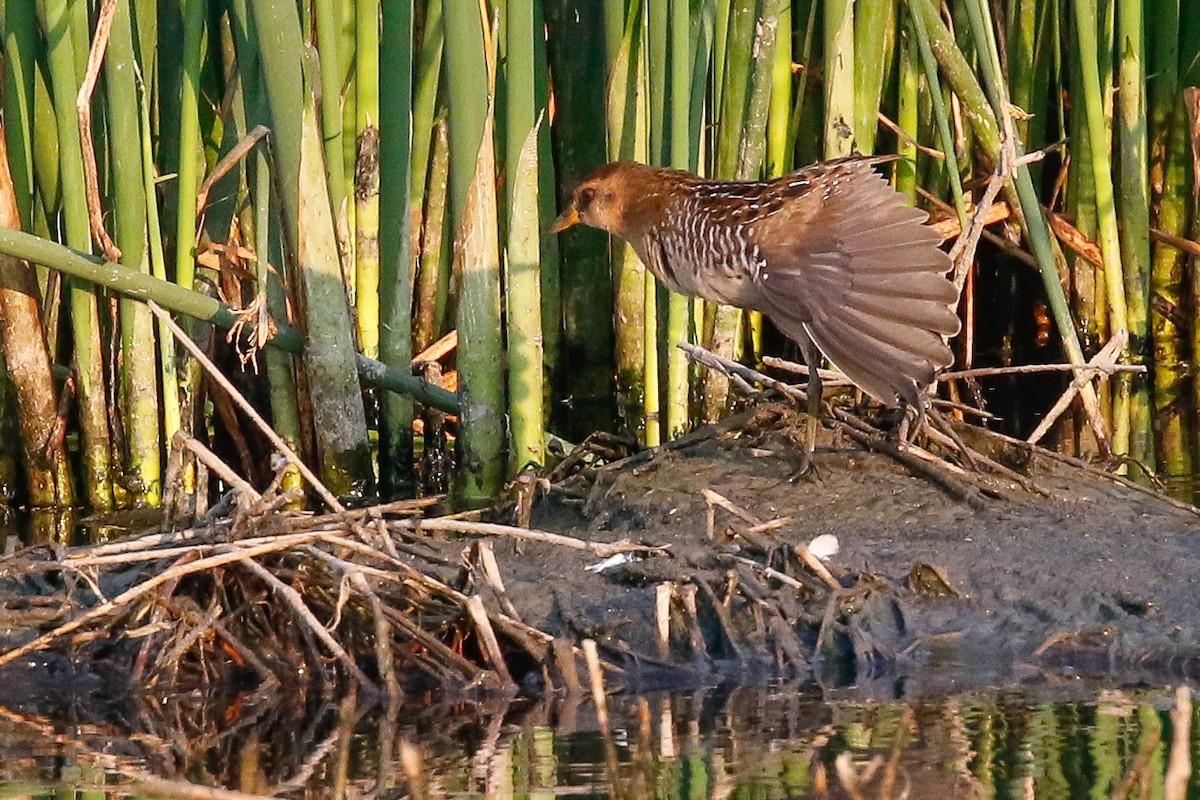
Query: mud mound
1052	571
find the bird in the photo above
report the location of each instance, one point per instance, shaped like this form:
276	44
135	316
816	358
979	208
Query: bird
830	253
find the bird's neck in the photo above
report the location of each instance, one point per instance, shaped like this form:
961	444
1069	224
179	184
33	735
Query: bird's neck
646	200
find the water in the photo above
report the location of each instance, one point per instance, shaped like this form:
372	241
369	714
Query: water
1068	741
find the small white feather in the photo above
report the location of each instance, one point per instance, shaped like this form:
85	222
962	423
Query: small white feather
824	547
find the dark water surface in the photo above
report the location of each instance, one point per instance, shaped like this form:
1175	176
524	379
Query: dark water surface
1066	741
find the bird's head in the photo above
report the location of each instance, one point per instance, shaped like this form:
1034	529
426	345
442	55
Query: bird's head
611	198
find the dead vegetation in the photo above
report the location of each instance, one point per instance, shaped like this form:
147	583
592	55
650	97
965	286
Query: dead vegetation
389	600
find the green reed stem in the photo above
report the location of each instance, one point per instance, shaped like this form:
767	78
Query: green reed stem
398	138
874	42
89	362
140	374
1133	202
328	34
523	242
839	78
681	157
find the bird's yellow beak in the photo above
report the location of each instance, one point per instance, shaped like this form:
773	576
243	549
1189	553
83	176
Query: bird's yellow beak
566	219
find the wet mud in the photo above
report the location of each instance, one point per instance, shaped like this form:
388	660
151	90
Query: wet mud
1081	578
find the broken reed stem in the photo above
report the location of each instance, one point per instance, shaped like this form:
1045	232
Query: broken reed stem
564	657
227	163
771	572
1102	361
814	564
83	110
662	617
213	462
919	461
491	574
384	656
687	596
243	404
602	549
1090	369
489	645
828	377
1179	763
414	770
596	676
962	254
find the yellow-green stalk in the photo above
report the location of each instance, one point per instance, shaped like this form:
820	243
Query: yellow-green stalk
523	301
88	360
138	367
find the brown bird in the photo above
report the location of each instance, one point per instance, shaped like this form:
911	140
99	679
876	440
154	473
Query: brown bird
830	253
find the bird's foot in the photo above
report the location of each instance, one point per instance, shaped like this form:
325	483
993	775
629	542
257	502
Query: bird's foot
803	454
807	471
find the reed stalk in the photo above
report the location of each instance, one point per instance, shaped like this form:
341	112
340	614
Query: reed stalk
20	41
328	34
626	129
551	278
168	376
907	108
366	175
358	60
424	105
941	116
139	373
523	241
874	48
339	420
285	416
1171	185
85	322
779	155
658	25
263	227
171	296
722	324
1106	212
682	156
1133	206
476	255
433	287
839	135
657	74
25	367
752	147
524	305
1026	39
1087	279
188	180
979	111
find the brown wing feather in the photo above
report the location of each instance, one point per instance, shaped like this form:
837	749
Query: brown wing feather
859	272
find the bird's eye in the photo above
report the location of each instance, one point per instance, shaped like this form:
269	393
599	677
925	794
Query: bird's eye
585	198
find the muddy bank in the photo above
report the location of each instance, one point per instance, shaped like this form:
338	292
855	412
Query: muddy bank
1080	576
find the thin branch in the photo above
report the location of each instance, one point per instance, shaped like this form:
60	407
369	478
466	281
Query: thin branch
244	404
1026	369
83	108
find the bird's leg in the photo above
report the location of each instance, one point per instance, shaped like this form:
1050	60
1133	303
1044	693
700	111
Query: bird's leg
812	358
913	423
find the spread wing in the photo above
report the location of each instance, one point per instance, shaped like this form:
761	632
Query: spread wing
864	278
